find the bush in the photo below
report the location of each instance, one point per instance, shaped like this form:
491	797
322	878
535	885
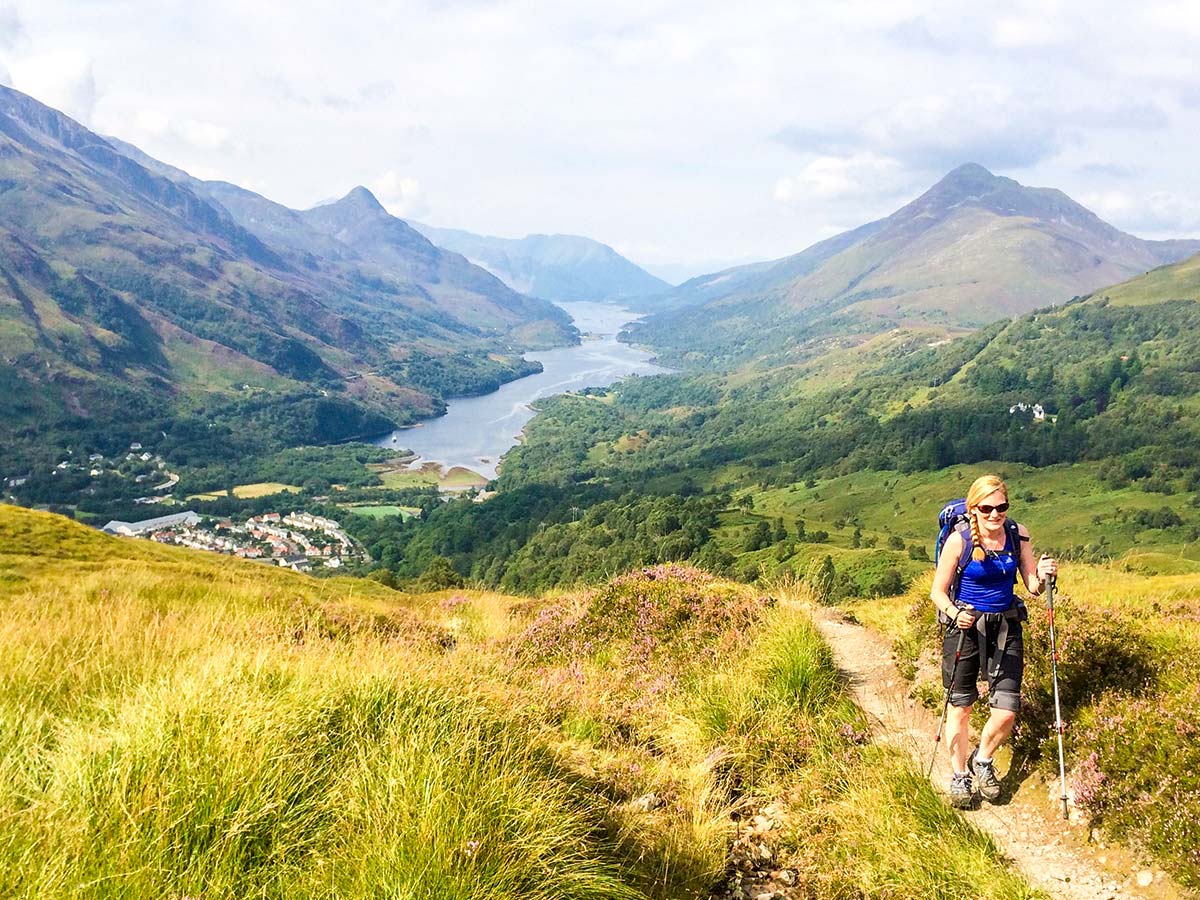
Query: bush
822	579
1098	654
666	616
1156	806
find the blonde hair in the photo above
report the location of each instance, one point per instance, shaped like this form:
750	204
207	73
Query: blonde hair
980	488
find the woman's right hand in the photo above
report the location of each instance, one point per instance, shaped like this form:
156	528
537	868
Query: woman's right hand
964	618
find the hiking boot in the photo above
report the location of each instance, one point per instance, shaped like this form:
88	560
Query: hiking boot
985	777
962	792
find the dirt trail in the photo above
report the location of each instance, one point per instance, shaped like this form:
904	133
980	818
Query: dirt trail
1060	858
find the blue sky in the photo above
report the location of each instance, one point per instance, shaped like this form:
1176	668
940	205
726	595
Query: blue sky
688	135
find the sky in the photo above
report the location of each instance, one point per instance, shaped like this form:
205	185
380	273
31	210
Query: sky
689	136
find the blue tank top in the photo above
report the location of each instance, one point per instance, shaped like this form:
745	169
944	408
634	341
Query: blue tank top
987	585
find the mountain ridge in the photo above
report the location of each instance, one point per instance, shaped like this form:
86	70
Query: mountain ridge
972	248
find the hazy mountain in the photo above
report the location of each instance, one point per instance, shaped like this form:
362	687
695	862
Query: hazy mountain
124	292
554	266
974	248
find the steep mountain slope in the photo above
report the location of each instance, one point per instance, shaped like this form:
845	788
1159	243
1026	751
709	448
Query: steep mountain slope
360	222
974	248
554	266
125	296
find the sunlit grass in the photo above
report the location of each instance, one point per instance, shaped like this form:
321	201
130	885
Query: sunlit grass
181	725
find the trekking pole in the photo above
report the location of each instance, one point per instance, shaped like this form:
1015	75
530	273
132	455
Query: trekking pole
937	740
1059	727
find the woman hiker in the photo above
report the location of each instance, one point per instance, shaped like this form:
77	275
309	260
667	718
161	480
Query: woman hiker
988	617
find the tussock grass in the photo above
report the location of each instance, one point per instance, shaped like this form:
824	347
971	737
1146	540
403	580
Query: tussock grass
194	728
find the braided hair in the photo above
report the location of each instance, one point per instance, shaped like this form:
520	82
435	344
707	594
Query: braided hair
980	488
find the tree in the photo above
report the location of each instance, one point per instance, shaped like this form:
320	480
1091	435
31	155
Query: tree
889	584
384	576
758	538
439	575
780	531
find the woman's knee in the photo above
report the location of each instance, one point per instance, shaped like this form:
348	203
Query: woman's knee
1002	718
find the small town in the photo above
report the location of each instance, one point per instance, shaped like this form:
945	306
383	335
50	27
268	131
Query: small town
138	466
298	541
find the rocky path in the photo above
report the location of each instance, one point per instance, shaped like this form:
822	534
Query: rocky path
1061	858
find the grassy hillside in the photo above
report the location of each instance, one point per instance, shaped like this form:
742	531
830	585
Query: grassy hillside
178	724
1177	282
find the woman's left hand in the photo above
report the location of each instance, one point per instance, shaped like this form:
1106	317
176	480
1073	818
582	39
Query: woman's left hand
1047	567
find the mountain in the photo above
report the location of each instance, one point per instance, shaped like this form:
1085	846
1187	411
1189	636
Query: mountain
972	249
554	266
127	296
360	222
357	232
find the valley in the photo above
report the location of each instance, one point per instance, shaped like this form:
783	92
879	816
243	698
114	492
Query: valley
553	624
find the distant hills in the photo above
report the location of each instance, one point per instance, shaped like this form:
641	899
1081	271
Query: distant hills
130	292
974	248
554	266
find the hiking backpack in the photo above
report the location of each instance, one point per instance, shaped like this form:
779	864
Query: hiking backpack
954	517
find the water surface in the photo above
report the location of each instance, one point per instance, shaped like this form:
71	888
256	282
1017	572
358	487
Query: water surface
477	431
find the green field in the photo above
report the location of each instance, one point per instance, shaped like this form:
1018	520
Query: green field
381	512
251	491
456	479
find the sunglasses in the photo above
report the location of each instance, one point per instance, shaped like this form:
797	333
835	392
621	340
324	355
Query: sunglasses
988	510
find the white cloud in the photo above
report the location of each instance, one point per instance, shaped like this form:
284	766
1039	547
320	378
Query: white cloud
152	122
204	135
1027	31
831	177
1153	214
12	29
983	122
1109	205
192	137
400	195
62	79
1176	18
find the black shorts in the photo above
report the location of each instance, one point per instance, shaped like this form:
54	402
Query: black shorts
1004	688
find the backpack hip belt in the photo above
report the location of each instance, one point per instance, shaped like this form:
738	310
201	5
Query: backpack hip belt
1015	613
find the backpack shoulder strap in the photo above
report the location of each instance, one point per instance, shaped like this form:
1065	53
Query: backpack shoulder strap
964	557
1014	534
1014	539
